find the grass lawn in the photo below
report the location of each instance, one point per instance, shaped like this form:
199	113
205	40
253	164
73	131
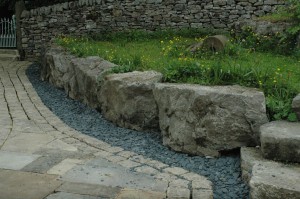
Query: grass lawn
277	75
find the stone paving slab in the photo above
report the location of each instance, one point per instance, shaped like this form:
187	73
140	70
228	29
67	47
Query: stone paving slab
140	194
60	145
43	164
27	142
102	172
89	189
64	166
63	195
24	185
64	154
26	126
15	161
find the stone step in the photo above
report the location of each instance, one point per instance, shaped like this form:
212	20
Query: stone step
280	140
9	57
9	51
267	178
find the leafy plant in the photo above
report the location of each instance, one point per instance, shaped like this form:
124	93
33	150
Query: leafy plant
279	105
123	68
294	9
286	40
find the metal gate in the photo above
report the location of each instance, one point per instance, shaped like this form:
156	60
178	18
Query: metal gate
8	33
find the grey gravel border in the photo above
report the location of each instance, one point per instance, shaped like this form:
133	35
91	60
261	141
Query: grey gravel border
223	172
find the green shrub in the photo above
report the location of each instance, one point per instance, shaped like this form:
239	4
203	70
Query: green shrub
293	9
285	42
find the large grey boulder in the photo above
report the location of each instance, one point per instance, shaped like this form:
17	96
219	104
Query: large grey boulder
275	181
77	76
87	73
280	140
204	120
296	105
56	67
127	99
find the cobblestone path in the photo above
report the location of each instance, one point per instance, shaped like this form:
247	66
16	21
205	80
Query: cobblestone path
43	158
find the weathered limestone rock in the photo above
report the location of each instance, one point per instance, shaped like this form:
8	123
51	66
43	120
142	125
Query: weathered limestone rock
269	179
204	120
78	76
296	105
127	99
86	72
275	180
56	66
280	140
213	43
216	42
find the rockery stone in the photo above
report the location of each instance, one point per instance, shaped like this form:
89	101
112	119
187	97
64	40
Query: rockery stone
79	77
205	120
127	99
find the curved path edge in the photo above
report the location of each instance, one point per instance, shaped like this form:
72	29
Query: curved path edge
42	157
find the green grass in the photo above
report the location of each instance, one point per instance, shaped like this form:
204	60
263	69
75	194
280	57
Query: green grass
277	75
277	17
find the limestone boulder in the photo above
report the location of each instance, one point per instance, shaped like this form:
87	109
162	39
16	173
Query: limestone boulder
127	99
84	84
77	76
205	120
296	105
56	67
280	140
216	42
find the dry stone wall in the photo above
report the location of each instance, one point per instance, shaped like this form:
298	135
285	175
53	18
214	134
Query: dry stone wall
41	25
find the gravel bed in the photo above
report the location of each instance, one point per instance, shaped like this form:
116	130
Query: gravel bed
224	172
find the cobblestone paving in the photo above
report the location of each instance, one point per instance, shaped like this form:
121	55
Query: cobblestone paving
42	157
